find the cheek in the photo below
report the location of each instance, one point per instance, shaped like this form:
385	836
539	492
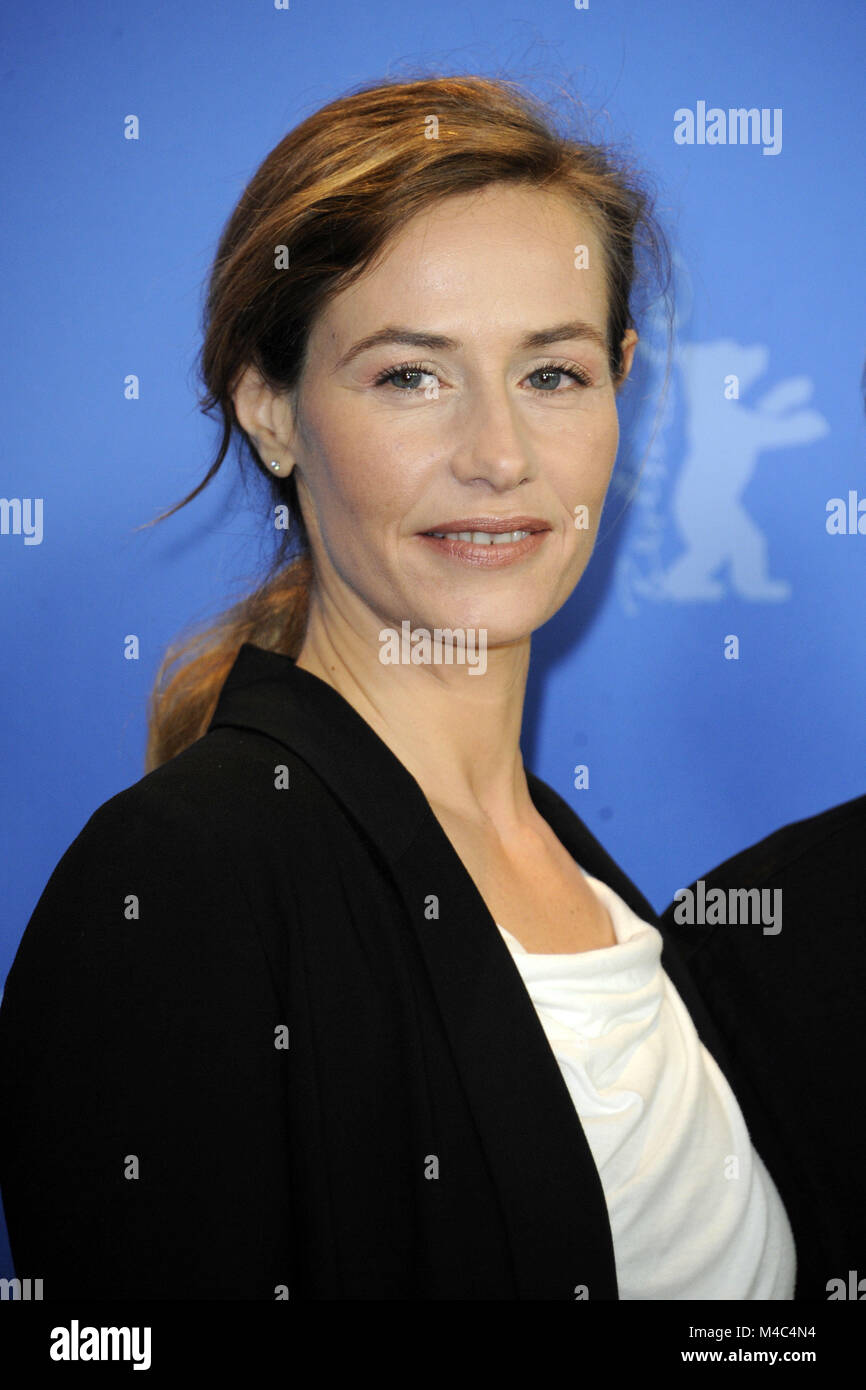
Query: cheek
359	492
584	463
334	473
604	439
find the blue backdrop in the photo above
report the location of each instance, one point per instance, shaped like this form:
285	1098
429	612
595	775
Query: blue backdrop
691	754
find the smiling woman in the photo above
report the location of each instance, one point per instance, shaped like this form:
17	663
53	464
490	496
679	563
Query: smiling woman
360	237
353	1005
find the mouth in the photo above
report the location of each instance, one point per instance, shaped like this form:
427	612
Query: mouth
487	530
487	541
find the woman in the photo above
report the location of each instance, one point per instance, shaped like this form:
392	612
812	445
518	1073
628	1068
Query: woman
339	1001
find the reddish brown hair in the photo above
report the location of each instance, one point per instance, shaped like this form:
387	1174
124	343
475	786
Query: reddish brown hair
333	191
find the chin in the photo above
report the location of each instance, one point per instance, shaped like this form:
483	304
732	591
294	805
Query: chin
498	630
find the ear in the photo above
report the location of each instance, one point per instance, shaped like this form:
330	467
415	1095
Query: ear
266	418
628	345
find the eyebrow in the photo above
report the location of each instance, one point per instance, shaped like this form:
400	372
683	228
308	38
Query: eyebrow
438	342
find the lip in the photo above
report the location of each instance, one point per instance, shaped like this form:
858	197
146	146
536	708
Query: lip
487	556
490	523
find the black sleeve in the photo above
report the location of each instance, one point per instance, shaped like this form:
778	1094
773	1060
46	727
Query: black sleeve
144	1149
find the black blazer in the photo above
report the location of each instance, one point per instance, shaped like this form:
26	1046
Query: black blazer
284	880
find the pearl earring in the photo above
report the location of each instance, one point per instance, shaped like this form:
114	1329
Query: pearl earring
275	465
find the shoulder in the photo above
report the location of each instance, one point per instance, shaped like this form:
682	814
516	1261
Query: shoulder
810	902
803	851
212	802
195	848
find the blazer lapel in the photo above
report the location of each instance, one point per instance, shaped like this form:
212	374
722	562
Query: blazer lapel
552	1198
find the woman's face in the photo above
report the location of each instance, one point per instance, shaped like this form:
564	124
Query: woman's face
479	427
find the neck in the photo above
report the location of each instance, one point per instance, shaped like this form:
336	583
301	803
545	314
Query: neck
456	732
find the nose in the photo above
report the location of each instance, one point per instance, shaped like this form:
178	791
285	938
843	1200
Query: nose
494	445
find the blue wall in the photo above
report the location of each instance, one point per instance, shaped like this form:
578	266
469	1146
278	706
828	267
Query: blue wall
105	245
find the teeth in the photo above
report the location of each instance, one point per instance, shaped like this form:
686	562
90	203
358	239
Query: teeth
481	537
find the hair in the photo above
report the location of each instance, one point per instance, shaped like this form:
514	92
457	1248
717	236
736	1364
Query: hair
333	191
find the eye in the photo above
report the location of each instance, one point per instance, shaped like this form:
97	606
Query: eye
406	378
559	369
397	376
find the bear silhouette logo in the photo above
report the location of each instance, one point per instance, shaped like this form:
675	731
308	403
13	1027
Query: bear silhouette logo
725	434
725	438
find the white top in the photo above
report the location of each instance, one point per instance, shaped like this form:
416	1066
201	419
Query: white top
693	1211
